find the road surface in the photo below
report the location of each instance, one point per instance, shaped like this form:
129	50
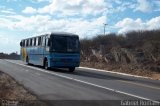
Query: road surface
82	86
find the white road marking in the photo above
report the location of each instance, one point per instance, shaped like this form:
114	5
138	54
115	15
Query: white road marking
114	72
95	85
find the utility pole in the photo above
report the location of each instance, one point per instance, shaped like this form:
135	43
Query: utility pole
104	27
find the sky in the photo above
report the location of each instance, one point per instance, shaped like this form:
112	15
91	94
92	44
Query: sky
21	19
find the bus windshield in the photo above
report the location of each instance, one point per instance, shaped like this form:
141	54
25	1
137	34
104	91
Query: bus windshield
64	44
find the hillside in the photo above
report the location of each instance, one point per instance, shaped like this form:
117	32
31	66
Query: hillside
9	56
136	52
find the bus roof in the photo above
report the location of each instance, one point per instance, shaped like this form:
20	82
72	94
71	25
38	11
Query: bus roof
54	34
63	33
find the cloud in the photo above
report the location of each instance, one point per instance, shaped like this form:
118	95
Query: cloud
4	10
29	10
9	43
45	23
153	23
143	6
3	40
86	28
72	7
11	0
156	5
39	1
95	7
5	23
118	1
31	23
7	12
129	24
120	6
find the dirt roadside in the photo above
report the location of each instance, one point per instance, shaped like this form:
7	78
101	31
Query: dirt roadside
14	94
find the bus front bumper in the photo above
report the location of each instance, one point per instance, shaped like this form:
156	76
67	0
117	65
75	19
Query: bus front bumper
64	64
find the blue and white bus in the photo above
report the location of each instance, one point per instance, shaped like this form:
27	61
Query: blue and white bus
55	50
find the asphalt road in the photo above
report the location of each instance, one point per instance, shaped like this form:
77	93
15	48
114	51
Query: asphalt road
84	86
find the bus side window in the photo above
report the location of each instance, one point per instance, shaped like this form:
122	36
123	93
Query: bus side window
39	41
27	42
23	43
34	41
30	42
49	43
46	42
43	41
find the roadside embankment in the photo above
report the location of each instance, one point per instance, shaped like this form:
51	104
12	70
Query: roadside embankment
135	52
13	93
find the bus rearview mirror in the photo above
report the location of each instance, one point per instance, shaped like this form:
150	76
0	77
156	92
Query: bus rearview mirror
20	43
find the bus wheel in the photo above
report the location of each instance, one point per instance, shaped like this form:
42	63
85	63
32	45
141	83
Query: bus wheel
27	60
46	65
71	69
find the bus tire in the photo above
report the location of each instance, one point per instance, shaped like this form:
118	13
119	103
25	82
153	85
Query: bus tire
46	64
27	60
71	69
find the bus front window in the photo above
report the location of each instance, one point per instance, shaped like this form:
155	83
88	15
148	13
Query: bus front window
65	44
